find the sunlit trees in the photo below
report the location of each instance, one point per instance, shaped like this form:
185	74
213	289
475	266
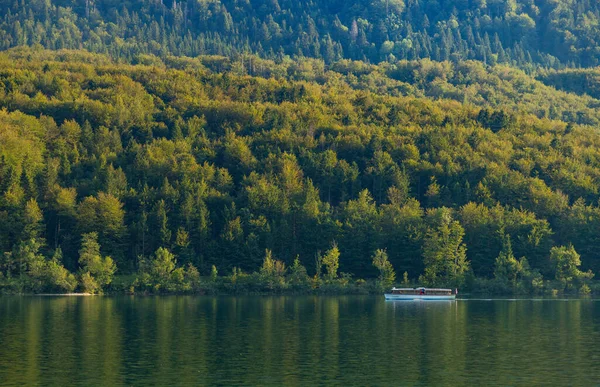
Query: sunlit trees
103	215
566	264
32	221
209	162
30	271
387	275
298	276
507	267
96	271
213	273
331	261
59	279
444	253
161	274
272	271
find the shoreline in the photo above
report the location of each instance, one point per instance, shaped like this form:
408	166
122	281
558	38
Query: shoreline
62	294
462	297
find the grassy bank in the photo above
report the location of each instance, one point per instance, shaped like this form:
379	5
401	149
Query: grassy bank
255	284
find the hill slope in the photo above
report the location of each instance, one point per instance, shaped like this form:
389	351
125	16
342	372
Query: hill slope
217	166
522	32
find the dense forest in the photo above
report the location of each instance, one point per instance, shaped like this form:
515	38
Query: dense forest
525	33
237	145
181	170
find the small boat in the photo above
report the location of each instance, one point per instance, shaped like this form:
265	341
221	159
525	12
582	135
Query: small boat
408	294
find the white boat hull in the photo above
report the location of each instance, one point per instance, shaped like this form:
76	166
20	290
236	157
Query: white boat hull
424	297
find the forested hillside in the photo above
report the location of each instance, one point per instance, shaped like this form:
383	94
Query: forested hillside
526	33
452	180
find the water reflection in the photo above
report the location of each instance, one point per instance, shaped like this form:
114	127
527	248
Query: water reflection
295	341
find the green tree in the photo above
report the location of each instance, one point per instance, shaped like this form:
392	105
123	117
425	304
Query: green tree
104	215
57	277
331	260
96	271
507	267
39	274
387	275
566	263
183	247
30	263
162	224
444	253
272	271
213	273
161	274
298	275
162	266
33	219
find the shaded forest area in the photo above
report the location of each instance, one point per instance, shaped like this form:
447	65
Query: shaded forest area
524	33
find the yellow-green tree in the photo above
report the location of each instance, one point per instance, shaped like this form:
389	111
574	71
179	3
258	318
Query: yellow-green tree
566	263
387	275
331	260
444	253
96	271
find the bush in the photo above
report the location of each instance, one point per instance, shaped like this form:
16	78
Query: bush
585	290
272	272
161	275
89	284
58	278
298	278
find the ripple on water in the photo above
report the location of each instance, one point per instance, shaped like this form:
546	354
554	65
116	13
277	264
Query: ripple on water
297	341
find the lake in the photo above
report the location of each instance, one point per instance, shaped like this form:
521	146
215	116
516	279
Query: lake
308	340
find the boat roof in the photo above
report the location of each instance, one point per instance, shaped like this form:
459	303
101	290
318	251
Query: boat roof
432	289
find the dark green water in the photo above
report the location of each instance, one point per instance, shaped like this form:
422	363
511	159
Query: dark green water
359	341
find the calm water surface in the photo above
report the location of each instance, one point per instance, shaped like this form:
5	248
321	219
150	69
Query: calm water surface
347	341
